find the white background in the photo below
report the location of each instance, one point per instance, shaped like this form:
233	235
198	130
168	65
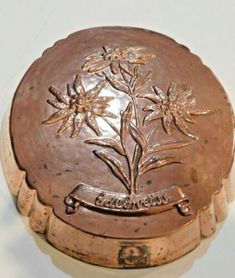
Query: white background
207	27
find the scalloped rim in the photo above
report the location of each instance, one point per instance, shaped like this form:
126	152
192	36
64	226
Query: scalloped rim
100	250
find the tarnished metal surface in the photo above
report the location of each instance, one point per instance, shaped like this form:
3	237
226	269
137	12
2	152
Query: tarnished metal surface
125	138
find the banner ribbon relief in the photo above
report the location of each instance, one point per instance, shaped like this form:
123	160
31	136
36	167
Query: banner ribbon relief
125	204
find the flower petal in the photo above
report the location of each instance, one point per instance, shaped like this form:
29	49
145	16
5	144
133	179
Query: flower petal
78	85
182	126
56	104
70	90
114	66
151	107
172	92
107	49
78	121
159	92
103	113
136	55
61	97
198	111
156	115
187	117
167	122
153	97
94	56
141	58
93	66
99	104
59	115
186	99
142	83
67	123
104	99
117	84
96	90
91	122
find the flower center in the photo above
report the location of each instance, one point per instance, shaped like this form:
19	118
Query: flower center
81	104
173	106
116	55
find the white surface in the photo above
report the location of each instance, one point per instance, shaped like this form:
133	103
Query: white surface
29	27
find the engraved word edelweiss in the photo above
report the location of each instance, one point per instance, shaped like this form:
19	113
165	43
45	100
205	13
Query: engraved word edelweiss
125	70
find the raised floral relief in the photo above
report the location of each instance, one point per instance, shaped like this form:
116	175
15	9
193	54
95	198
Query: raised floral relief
126	71
176	106
78	106
115	59
142	159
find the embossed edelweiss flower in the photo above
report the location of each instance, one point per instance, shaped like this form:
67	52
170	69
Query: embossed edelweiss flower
115	59
79	106
177	106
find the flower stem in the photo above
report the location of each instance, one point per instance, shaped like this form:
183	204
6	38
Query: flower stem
137	152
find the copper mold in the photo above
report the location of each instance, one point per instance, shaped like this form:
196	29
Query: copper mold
119	146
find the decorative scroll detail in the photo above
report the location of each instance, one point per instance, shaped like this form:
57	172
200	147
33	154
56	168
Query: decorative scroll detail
79	106
125	204
126	71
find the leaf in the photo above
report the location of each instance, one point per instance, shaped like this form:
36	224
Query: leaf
125	76
136	156
107	142
143	84
135	77
125	123
138	136
155	163
117	84
164	147
111	125
126	68
115	166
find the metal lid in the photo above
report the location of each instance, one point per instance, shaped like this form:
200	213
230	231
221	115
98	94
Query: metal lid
126	135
